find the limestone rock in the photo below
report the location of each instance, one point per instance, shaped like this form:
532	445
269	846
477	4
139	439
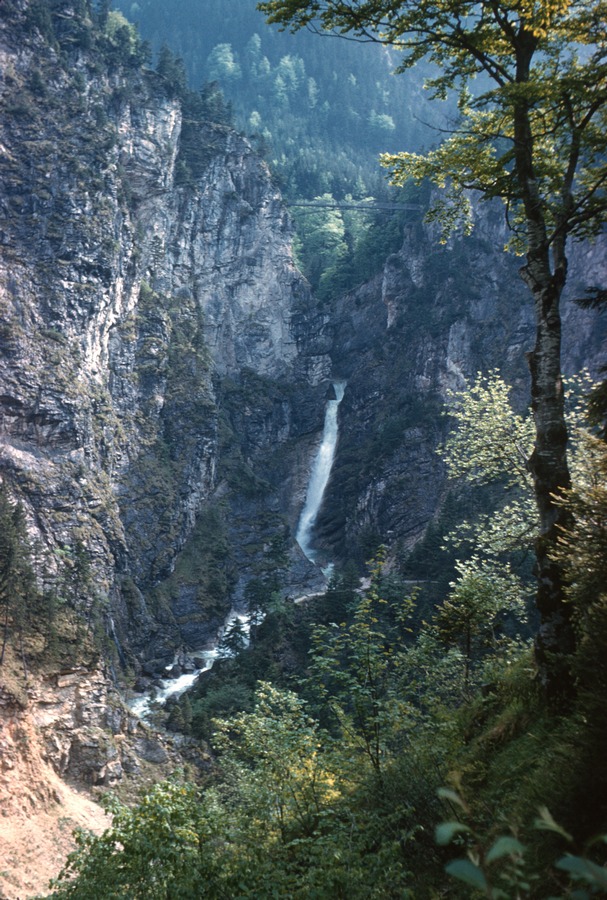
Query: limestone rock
132	302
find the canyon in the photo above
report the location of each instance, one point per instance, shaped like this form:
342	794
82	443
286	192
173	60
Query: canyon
165	370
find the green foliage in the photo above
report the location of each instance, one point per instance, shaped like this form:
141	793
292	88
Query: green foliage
490	441
490	444
340	244
293	803
155	851
533	135
536	60
499	867
356	665
171	69
222	64
322	244
284	783
583	548
470	616
299	811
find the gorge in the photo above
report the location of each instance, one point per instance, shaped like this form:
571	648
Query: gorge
165	363
170	386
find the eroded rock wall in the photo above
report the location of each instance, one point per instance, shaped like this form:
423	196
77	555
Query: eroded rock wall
130	294
428	323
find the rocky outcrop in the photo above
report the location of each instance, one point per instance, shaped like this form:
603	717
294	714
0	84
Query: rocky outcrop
66	737
136	298
164	369
75	724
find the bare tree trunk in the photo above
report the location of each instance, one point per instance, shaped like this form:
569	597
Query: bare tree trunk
555	641
545	277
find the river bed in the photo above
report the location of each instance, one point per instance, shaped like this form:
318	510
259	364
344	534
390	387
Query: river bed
145	704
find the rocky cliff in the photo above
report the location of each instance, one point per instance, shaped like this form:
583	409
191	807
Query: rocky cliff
150	371
434	317
164	367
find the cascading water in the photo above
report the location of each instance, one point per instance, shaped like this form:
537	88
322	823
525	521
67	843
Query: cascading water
319	476
174	687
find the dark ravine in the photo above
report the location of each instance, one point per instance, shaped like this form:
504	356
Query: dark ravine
434	318
164	373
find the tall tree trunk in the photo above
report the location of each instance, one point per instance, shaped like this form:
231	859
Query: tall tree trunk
545	278
554	642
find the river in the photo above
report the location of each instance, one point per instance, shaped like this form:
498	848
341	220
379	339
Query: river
144	705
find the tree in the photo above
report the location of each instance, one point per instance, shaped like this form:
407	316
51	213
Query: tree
320	242
222	64
160	849
172	71
534	134
355	667
271	757
471	613
490	445
234	641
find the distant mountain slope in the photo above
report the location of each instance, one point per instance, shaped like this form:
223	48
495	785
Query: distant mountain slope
323	108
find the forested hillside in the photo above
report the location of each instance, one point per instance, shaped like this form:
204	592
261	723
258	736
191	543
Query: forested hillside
320	111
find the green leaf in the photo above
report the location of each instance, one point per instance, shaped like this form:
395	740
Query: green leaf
545	822
451	796
446	831
505	846
599	839
584	869
467	872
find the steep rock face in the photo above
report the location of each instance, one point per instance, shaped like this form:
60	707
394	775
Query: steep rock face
433	318
130	295
164	369
64	739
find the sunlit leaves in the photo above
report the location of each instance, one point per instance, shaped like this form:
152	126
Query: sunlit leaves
490	441
469	617
279	745
159	849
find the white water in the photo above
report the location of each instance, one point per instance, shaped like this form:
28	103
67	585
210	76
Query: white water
173	687
319	476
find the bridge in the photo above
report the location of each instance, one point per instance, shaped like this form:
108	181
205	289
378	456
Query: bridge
369	207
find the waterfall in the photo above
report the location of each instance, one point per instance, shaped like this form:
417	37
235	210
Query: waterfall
319	476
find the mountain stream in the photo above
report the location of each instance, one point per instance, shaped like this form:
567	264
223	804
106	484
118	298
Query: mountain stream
144	705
